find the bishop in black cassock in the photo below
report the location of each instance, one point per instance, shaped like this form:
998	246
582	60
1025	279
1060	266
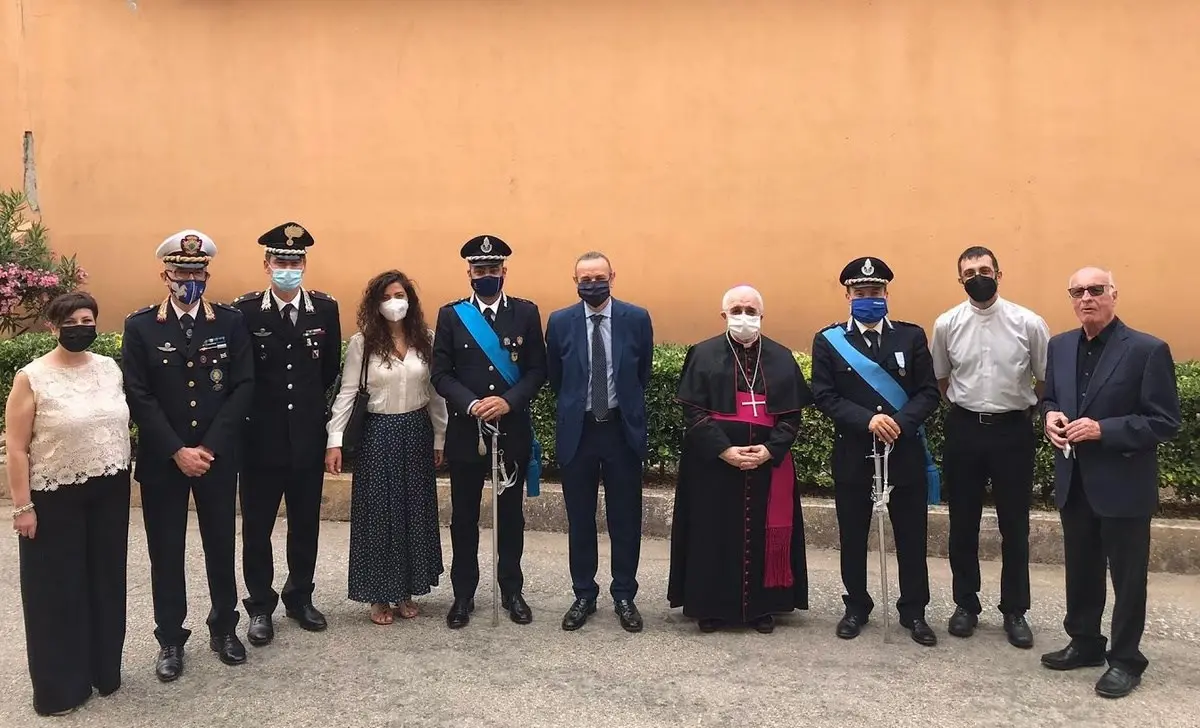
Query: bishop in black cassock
737	541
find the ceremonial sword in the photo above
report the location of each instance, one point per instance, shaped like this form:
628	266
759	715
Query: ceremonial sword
880	493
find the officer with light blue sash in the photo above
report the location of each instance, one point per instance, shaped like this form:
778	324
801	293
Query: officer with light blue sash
873	376
489	361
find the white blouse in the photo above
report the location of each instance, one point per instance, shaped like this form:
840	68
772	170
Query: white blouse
80	422
394	388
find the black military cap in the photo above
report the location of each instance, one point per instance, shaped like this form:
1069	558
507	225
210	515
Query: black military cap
485	250
289	241
866	272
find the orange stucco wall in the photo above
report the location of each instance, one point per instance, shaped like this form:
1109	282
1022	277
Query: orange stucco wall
701	143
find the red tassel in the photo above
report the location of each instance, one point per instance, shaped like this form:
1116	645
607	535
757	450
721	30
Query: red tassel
778	567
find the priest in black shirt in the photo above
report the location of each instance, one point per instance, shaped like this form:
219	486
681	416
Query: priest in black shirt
737	541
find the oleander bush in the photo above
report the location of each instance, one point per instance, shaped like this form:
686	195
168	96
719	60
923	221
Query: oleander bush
1179	460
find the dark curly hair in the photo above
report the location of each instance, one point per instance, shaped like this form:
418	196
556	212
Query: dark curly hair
377	337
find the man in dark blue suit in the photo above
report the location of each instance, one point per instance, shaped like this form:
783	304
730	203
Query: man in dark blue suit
1110	400
598	359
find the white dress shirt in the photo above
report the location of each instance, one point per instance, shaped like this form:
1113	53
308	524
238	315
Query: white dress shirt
280	303
180	311
605	324
991	356
404	386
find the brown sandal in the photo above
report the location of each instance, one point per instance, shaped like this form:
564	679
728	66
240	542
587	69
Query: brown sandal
381	614
406	609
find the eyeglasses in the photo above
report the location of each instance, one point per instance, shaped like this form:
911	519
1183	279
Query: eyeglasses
1093	291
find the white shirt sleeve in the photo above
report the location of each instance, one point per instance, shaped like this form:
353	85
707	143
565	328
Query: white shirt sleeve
340	412
1039	342
939	348
438	413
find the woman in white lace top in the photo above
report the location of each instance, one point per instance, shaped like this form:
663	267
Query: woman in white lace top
395	544
67	432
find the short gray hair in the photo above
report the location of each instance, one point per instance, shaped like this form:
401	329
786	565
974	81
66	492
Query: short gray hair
593	255
738	290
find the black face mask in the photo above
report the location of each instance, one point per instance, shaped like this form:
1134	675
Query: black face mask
593	293
77	338
980	288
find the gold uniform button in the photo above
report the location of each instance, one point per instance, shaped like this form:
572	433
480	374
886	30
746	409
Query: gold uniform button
164	361
193	423
191	384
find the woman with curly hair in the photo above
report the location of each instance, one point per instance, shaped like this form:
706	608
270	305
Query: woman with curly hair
395	544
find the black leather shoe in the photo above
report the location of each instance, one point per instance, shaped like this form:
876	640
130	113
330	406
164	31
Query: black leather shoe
170	663
1117	683
1071	658
963	623
460	613
229	648
628	615
765	625
518	610
850	625
309	618
261	631
1018	631
577	615
922	633
709	625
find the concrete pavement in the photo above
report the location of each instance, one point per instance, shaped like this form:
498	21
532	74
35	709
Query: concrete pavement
419	673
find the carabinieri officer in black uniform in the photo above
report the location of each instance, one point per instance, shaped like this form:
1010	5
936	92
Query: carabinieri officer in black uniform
473	388
296	340
189	380
860	413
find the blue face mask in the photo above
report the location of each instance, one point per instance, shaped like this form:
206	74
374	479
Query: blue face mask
188	292
288	279
868	310
487	286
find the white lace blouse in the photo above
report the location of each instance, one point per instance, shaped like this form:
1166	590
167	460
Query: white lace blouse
80	422
403	386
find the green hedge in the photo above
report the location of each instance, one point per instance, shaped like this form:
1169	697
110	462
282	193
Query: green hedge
1179	460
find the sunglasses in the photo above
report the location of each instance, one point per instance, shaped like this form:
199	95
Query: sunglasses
1093	291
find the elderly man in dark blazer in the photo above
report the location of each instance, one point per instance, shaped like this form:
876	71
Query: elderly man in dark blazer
598	358
1110	400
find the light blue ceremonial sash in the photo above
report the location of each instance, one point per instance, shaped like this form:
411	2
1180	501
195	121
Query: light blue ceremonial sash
889	389
485	336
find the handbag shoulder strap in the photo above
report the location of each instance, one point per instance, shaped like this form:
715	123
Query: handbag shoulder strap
366	359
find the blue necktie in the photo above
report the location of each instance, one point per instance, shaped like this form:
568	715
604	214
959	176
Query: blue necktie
599	393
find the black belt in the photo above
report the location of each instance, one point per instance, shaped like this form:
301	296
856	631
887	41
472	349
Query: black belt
613	415
993	418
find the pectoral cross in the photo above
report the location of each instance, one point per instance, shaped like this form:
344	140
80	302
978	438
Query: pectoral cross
754	403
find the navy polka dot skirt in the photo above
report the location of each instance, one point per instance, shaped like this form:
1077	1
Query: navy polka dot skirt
395	544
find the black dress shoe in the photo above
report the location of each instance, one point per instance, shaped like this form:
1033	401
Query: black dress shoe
1117	683
1070	658
922	633
518	610
309	618
709	625
460	613
229	648
170	663
850	625
963	623
764	625
628	615
261	631
577	615
1018	631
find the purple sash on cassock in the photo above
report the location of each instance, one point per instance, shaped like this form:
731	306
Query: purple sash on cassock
780	506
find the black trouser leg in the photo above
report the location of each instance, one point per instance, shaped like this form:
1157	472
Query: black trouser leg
303	494
1012	465
853	504
107	556
908	512
215	493
165	514
1127	546
623	511
54	585
1084	559
466	488
260	491
581	487
512	535
966	481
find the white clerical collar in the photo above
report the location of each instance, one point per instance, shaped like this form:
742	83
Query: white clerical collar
494	305
986	311
605	310
280	303
179	312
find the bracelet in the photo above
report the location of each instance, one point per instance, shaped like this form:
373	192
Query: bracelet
23	509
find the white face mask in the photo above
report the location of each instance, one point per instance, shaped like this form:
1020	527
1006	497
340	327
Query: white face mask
744	327
394	309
